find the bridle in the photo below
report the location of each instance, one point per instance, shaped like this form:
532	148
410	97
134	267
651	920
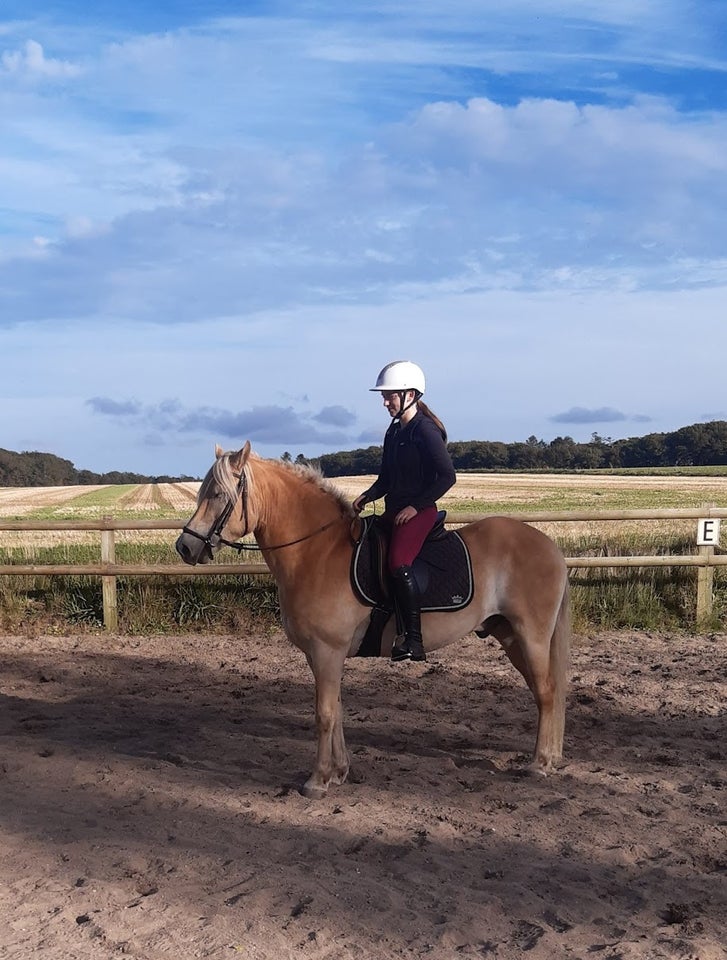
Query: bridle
219	524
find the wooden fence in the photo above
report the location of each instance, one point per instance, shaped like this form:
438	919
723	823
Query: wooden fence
108	570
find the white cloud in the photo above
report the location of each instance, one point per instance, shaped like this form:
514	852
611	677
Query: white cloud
31	61
567	144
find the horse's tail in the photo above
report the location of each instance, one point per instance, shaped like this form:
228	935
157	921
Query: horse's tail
560	643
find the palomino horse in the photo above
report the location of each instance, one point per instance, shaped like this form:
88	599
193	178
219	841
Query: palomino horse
302	525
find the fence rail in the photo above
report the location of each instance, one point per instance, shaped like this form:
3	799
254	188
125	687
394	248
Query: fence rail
705	560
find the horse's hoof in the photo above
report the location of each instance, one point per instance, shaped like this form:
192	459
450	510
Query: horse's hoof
313	791
540	769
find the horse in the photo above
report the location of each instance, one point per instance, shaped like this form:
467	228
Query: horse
303	526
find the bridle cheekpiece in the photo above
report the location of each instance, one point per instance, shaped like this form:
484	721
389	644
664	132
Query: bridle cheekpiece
219	525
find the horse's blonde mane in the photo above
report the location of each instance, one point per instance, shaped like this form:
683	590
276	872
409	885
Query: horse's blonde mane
222	474
309	473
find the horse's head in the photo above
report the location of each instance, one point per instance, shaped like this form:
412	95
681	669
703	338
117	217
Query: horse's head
221	517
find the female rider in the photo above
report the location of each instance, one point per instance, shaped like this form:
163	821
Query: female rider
416	470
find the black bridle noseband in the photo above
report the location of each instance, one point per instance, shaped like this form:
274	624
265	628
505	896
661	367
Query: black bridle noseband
219	524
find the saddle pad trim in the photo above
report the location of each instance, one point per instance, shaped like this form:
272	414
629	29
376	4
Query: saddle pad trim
358	586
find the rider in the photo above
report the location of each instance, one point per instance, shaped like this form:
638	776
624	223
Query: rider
416	470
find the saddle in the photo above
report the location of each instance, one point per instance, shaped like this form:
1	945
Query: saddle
443	572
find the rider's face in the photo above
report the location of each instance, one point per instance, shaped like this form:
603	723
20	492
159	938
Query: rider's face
392	400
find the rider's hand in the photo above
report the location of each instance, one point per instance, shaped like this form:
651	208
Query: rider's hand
359	503
405	515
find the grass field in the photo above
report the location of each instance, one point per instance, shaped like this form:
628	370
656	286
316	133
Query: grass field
637	598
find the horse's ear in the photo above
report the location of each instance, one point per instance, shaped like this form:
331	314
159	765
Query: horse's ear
218	451
239	459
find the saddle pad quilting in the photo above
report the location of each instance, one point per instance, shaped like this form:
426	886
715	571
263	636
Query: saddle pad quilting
445	563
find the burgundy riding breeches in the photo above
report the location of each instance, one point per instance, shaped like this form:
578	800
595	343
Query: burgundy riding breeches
407	539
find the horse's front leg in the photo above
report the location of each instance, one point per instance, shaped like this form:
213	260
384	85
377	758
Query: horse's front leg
331	757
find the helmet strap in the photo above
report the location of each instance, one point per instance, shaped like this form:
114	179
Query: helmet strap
402	400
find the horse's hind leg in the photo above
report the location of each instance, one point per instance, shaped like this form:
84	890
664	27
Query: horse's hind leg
540	654
331	756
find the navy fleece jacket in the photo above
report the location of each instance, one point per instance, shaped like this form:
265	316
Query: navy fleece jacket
416	469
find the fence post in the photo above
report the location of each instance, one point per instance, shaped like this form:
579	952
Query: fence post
705	578
108	584
705	582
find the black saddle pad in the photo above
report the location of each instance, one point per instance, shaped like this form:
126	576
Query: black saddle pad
443	570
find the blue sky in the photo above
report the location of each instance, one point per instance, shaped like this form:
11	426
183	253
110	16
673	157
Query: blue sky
218	221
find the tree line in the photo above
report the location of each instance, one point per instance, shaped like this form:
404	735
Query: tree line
47	470
702	444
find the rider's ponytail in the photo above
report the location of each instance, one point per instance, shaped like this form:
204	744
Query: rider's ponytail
432	416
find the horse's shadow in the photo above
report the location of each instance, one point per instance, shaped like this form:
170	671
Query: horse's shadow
187	715
233	723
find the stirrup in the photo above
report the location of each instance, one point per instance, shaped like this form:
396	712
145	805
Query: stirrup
408	650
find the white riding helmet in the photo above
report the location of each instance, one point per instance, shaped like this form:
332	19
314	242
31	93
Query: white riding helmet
400	375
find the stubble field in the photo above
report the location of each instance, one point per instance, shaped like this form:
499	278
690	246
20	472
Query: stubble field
489	493
477	492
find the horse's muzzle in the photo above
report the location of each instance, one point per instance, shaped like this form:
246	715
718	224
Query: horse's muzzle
192	550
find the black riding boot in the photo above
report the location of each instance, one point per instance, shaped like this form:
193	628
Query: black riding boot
408	605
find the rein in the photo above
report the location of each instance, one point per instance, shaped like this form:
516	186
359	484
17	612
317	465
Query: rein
219	524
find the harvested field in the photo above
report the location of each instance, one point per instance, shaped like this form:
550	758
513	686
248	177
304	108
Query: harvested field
140	498
167	497
519	488
180	496
479	493
168	500
506	492
149	805
20	501
78	500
